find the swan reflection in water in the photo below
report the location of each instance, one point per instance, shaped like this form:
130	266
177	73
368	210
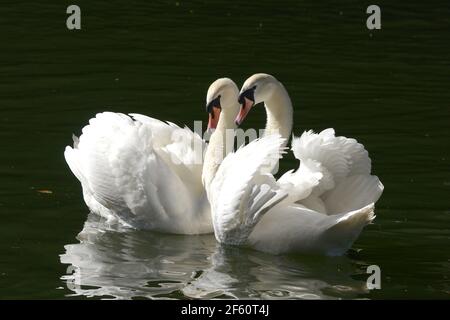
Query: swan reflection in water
112	262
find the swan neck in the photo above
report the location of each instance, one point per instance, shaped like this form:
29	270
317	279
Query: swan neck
220	144
279	113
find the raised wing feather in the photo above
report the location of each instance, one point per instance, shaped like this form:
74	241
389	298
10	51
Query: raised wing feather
243	189
323	154
181	149
128	166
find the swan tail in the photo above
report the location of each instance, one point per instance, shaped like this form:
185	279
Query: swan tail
71	156
339	237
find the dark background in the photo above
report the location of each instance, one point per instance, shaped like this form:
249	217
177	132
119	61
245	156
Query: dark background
388	88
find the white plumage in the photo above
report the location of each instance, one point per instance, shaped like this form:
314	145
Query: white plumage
133	170
148	174
243	189
319	208
328	206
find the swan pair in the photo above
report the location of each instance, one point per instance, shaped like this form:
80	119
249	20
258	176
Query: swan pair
125	165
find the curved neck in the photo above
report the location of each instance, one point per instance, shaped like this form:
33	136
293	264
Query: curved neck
279	113
220	144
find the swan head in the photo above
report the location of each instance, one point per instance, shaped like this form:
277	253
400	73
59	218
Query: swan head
222	96
256	89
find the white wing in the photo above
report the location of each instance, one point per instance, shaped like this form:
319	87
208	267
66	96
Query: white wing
181	148
331	198
134	169
326	164
243	189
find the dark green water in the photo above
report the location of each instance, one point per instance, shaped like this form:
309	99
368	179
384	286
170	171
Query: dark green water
388	88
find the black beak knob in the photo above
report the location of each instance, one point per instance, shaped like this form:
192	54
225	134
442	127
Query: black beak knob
249	94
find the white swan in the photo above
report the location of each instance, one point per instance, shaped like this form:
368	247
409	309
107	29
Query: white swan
237	190
143	172
320	208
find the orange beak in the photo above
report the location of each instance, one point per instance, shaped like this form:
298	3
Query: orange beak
245	108
214	117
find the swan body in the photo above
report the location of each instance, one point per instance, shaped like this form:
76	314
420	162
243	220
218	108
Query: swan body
320	208
330	199
142	172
